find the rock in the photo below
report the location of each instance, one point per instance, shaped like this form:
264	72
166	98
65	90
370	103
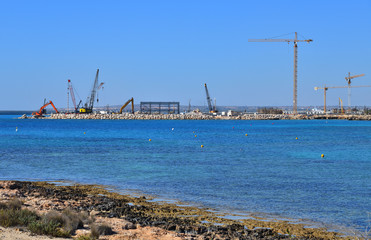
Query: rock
129	225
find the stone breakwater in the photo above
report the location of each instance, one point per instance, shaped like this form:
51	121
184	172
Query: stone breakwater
200	116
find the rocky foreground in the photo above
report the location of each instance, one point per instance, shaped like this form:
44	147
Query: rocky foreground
202	116
140	218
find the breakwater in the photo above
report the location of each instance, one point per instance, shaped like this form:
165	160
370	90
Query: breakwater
200	116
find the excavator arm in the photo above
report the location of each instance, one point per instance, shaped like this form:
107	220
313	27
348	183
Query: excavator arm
132	105
41	111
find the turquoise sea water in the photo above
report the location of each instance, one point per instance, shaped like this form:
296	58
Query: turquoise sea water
268	171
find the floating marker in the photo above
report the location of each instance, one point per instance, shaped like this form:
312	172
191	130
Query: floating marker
195	135
296	138
246	134
322	155
16	129
84	132
149	139
172	129
193	131
202	146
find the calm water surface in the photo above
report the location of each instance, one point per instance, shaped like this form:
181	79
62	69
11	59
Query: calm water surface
268	171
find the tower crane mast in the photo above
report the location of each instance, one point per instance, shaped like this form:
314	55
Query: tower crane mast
295	41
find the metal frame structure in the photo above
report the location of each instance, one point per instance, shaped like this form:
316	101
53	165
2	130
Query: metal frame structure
159	107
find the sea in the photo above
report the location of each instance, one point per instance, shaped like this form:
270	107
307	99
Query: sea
312	170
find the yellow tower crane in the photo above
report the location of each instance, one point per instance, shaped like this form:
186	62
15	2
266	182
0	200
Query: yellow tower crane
349	81
326	88
295	41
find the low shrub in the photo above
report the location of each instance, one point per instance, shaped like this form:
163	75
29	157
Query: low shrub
15	204
3	205
72	221
97	230
14	217
54	216
50	228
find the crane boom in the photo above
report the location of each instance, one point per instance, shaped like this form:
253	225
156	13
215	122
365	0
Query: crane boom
279	40
132	105
208	99
72	94
90	101
88	107
295	41
355	76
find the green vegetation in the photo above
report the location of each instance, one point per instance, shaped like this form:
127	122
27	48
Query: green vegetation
50	228
53	223
270	111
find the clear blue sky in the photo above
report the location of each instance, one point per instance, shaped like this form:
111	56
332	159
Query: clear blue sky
166	51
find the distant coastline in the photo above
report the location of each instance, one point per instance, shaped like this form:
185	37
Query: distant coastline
201	116
15	112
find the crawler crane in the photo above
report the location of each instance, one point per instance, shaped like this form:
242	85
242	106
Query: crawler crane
88	106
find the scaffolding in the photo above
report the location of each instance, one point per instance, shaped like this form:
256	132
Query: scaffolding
159	107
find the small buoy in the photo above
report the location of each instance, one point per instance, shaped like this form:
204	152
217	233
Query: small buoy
202	146
172	129
296	138
193	131
16	129
149	139
195	135
246	134
272	123
84	132
233	127
322	155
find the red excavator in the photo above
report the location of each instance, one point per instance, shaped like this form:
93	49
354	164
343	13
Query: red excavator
42	110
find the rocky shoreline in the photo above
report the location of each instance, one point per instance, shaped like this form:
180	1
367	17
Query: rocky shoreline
135	216
201	116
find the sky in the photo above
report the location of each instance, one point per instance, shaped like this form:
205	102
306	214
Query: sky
166	51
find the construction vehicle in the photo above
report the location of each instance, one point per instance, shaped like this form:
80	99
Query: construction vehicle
349	81
341	106
295	41
88	106
132	105
326	88
71	91
42	110
212	109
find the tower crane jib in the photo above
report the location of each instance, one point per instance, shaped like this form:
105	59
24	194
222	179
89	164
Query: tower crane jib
295	41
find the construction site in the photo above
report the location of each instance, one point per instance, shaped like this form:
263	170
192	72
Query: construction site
88	109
